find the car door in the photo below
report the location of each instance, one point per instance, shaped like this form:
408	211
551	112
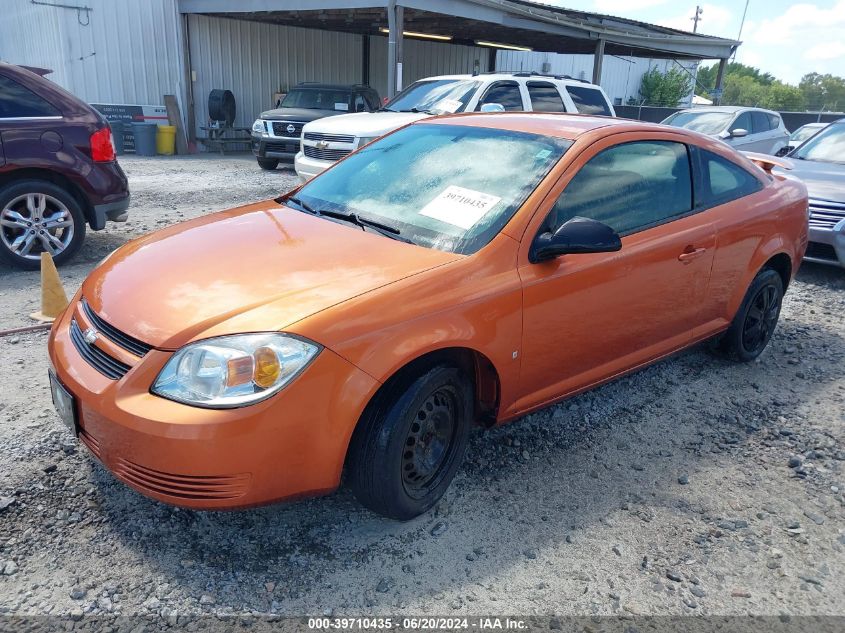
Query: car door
588	317
24	117
742	121
764	136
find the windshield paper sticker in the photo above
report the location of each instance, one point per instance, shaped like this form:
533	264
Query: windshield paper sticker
459	207
343	107
448	105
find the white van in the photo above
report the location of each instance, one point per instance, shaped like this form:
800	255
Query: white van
328	140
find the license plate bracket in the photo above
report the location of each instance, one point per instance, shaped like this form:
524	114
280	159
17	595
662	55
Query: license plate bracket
65	404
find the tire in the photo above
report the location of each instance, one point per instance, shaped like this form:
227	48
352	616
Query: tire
269	164
409	444
755	321
24	233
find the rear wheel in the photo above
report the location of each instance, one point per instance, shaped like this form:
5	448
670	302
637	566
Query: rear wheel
408	447
37	216
755	321
268	163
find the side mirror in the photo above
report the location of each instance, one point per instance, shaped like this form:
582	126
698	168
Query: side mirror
492	107
578	235
739	132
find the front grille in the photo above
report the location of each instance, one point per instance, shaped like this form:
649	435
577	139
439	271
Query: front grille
97	358
132	345
821	251
825	214
280	128
331	138
325	154
183	486
287	148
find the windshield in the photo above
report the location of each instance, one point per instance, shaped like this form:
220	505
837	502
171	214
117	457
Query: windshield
704	122
828	146
317	99
448	187
804	132
440	96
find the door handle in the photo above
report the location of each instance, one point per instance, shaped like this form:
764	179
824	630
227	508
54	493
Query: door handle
690	254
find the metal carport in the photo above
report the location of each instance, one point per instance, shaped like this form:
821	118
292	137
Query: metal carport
488	23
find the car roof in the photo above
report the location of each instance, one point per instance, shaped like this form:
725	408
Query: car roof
560	125
727	109
314	85
504	76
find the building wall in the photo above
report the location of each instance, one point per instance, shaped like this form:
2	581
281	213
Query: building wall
621	77
128	52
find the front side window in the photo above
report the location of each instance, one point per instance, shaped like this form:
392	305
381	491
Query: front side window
723	180
505	93
742	122
545	97
629	187
317	99
17	101
448	187
760	121
828	146
588	100
438	96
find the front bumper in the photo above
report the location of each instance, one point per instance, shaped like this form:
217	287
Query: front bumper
306	168
289	446
827	246
282	148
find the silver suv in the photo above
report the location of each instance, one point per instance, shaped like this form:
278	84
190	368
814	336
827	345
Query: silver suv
745	129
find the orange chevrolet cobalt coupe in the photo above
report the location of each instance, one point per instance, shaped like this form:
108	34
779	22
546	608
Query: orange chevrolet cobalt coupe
463	270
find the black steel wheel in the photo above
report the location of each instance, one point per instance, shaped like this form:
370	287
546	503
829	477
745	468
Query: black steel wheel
410	442
755	321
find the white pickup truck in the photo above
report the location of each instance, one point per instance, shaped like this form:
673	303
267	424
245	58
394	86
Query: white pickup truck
326	141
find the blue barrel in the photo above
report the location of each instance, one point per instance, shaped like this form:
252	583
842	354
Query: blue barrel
145	138
117	135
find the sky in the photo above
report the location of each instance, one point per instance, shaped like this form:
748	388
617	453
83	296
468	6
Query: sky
786	39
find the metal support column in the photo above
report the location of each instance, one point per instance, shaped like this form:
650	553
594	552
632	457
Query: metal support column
720	76
598	59
395	19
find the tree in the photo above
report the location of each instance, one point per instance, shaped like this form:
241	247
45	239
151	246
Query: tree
707	74
823	91
665	89
783	97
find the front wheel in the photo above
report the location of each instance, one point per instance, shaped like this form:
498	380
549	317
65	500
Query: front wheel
755	321
268	163
408	447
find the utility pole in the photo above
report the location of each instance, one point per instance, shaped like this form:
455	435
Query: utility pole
741	25
696	18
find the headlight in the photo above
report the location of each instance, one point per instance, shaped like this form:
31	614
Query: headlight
366	139
260	126
233	371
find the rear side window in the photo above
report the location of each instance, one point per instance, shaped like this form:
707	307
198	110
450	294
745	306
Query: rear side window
545	97
743	122
774	121
588	100
505	93
723	181
17	101
630	187
761	122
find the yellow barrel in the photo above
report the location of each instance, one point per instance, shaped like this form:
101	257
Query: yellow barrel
166	140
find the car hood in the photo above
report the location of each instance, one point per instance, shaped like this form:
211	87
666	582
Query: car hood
365	124
825	181
257	268
296	114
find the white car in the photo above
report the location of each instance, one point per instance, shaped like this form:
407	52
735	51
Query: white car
802	134
745	129
326	141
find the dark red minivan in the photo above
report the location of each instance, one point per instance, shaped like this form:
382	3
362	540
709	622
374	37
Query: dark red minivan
58	170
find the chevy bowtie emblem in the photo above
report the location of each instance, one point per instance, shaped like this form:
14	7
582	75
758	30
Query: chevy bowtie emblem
90	335
321	145
291	129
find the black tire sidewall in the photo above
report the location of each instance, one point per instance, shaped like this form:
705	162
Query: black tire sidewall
382	463
732	342
269	164
22	187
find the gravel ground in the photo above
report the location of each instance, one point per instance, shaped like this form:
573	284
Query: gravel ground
694	486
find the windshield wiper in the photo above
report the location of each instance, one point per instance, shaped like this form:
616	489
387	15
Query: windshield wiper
386	110
419	111
384	229
305	206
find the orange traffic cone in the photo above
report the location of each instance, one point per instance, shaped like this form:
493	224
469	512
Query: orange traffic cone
53	297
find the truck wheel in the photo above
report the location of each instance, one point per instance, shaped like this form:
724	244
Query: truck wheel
37	216
409	446
268	163
755	321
